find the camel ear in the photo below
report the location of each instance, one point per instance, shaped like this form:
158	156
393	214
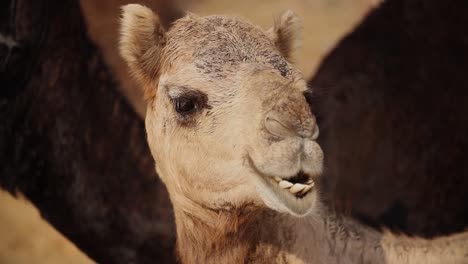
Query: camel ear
286	34
142	37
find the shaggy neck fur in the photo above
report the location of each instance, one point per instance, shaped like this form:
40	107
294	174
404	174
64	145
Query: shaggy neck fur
253	235
246	235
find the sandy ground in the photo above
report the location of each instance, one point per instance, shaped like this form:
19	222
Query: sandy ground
25	238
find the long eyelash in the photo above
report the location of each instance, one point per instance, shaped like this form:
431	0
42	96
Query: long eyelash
200	98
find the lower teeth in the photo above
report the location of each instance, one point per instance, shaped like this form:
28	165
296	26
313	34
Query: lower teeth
298	189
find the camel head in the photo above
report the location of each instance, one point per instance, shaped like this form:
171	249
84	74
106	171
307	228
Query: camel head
228	122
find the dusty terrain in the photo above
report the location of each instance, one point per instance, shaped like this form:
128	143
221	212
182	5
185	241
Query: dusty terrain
25	238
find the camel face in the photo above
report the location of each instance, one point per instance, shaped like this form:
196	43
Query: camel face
227	120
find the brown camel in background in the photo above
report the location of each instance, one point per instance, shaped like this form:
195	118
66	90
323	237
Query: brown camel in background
72	144
392	101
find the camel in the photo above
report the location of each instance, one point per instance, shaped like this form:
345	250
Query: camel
234	139
62	158
368	94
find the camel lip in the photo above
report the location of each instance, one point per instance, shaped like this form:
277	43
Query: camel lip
300	177
297	186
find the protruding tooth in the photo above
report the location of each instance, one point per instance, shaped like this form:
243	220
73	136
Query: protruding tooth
310	182
297	188
307	188
278	179
284	184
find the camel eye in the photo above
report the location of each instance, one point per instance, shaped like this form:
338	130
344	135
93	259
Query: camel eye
187	102
185	105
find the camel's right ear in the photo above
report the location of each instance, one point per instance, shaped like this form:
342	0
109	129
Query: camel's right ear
142	37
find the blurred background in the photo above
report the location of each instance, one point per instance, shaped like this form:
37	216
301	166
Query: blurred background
26	238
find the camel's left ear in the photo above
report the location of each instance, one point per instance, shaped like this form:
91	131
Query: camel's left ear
286	34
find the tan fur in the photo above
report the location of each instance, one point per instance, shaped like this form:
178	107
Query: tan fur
252	123
142	37
286	34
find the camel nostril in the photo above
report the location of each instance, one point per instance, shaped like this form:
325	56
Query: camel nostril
309	99
283	127
280	128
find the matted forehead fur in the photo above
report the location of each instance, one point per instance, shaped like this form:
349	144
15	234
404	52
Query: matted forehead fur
215	45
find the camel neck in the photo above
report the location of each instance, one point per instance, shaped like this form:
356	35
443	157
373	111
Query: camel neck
253	235
240	235
247	235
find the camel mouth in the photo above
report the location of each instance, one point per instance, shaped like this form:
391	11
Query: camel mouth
293	194
299	185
